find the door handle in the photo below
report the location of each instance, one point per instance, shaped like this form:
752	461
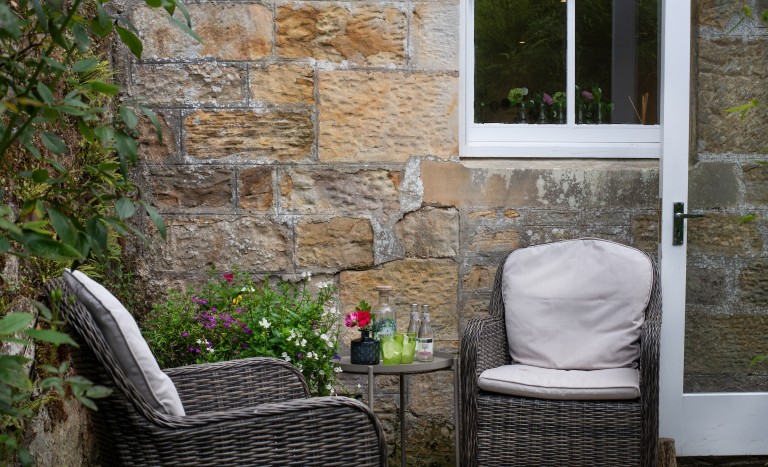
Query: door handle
678	222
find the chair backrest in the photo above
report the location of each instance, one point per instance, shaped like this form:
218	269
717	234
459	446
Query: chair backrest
576	304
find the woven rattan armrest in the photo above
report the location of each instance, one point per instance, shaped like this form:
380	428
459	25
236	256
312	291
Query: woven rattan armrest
315	431
250	381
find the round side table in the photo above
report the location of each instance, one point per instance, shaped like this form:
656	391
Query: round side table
443	361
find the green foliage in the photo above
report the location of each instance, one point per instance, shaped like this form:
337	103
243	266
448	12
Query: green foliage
51	107
16	407
66	151
229	317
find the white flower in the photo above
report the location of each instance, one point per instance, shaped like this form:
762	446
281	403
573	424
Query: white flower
337	369
247	289
324	285
286	357
303	342
264	323
307	275
210	349
199	341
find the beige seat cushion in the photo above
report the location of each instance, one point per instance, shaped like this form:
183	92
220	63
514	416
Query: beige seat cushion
125	339
576	304
545	383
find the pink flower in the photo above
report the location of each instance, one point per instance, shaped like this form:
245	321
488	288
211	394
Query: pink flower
586	95
229	277
357	318
547	99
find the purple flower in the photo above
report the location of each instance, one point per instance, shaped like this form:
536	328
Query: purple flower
298	355
184	334
336	357
191	350
586	95
547	99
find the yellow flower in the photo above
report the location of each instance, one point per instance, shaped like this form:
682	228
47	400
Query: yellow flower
237	299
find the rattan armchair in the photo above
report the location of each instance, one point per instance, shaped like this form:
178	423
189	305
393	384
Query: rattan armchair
253	411
509	430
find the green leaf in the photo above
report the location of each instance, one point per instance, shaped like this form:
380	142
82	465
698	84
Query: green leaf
747	218
54	144
102	25
85	130
131	40
9	22
48	248
125	208
82	39
39	176
118	225
5	244
155	122
85	65
101	87
105	135
64	226
126	147
154	3
54	64
156	219
51	336
129	117
98	392
97	236
86	402
14	322
45	93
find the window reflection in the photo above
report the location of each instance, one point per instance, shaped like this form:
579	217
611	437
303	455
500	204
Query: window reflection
520	61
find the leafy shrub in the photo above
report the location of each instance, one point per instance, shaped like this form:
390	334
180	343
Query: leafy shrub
230	317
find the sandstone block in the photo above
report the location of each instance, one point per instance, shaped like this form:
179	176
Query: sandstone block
163	148
713	185
255	189
435	35
480	277
645	231
722	346
723	234
488	240
340	243
728	71
189	187
705	286
282	84
330	191
756	184
229	31
196	243
753	284
203	84
370	116
434	282
430	233
455	184
358	33
281	136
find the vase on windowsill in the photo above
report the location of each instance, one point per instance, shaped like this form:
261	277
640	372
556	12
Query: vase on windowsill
365	350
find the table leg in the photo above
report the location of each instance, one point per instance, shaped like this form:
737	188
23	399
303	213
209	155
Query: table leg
371	385
402	420
456	415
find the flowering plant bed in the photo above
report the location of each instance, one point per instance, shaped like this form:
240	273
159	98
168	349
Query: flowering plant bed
230	317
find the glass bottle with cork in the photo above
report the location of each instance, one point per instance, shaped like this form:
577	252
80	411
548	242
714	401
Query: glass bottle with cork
425	350
384	316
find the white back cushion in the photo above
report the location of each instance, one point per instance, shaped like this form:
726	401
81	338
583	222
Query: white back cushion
576	304
546	383
124	338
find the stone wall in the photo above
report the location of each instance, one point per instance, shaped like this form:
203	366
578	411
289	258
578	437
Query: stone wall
322	136
726	319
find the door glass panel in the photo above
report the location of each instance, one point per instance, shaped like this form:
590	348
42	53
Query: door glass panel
520	61
617	62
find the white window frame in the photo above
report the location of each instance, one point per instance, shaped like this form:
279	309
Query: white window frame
544	140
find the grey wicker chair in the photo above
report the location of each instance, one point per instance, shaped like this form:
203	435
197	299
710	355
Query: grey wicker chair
509	430
253	411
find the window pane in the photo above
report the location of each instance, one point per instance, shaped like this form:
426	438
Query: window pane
617	61
520	61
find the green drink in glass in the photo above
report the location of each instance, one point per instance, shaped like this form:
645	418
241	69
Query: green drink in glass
391	349
409	347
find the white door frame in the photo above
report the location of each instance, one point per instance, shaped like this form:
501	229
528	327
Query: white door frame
702	424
